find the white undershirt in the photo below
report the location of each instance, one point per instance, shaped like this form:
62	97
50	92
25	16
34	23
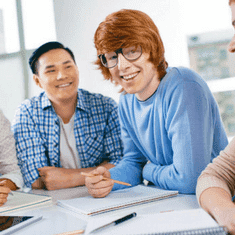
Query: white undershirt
69	157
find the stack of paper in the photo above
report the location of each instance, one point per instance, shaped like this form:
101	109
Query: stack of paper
116	200
194	221
20	200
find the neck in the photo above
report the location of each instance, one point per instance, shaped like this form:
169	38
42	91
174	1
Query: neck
65	109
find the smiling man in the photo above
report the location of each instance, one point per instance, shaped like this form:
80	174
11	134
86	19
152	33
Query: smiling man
65	130
170	123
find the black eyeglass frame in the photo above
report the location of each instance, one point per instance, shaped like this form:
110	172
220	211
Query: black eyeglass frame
117	52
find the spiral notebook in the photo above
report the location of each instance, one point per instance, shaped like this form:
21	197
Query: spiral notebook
20	200
116	200
184	222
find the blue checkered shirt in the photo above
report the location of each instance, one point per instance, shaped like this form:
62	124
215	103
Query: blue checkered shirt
36	129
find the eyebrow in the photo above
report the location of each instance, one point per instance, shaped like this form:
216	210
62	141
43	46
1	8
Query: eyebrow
67	61
49	66
52	66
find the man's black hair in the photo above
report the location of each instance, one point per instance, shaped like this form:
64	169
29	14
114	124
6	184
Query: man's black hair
33	60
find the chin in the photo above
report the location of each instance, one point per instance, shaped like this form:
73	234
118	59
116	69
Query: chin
129	91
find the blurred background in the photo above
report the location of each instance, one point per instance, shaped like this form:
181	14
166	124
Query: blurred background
195	34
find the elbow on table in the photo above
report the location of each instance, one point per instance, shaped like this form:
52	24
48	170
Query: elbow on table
188	186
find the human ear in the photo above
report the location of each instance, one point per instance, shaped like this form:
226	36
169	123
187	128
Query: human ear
37	80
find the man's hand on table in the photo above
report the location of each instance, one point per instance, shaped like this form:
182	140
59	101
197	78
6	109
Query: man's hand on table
55	177
98	187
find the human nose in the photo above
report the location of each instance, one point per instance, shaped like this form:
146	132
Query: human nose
61	75
123	63
231	46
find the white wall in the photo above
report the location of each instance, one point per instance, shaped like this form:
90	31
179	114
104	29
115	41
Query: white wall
77	20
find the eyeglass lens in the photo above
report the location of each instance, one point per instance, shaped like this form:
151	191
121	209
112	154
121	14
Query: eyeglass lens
110	59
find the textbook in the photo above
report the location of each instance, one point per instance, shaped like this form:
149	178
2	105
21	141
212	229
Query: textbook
21	200
184	222
116	199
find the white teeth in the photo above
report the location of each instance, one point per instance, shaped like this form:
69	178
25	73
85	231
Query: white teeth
64	85
129	76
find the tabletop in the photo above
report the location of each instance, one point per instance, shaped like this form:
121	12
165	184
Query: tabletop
57	220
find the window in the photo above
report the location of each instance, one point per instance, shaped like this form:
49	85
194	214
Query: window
9	34
39	22
209	57
19	35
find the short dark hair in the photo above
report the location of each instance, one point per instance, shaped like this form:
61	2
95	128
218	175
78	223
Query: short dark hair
33	60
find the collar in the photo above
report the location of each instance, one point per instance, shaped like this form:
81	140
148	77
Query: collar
81	101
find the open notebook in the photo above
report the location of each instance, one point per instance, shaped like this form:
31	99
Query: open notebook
185	222
116	200
20	200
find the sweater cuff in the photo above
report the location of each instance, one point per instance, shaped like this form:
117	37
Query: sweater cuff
206	182
115	175
148	170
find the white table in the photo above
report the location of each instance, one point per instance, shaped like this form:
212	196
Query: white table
58	220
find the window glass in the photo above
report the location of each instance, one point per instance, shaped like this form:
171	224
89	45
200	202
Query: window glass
12	85
9	35
209	57
226	101
38	21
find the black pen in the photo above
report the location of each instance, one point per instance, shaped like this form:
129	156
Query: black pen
116	222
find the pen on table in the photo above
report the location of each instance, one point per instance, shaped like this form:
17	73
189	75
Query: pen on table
3	181
104	178
72	232
116	222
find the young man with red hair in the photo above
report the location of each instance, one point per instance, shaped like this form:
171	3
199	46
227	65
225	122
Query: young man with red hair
216	184
170	122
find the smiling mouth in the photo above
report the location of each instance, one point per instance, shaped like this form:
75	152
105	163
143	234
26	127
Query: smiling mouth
130	76
64	85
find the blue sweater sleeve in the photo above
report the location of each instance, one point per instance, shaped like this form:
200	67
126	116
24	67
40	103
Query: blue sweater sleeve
189	123
131	166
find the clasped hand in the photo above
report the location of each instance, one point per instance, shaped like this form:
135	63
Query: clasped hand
54	177
97	186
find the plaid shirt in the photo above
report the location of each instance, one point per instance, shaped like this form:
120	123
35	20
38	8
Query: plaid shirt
36	129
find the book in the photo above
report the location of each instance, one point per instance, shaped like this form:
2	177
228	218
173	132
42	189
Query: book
20	200
116	199
184	222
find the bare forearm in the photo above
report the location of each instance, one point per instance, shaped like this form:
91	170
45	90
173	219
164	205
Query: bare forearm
53	178
75	177
213	200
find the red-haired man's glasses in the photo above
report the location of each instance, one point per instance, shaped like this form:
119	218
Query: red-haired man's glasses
110	59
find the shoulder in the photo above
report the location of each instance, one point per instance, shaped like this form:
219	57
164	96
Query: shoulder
4	122
179	75
94	100
32	103
184	79
30	108
2	117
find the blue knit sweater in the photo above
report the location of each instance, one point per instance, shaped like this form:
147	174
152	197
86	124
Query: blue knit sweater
177	132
